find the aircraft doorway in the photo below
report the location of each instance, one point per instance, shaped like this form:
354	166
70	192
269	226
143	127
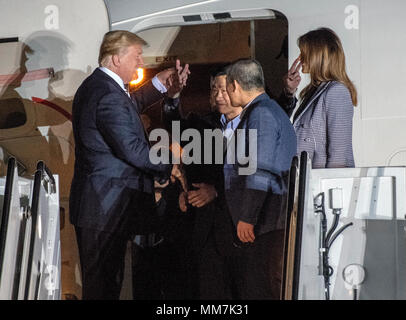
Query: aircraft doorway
206	46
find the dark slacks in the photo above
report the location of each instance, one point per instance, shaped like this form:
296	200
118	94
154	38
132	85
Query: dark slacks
217	273
260	267
217	258
102	263
230	269
250	272
102	253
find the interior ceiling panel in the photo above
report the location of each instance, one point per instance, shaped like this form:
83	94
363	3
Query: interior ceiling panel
121	10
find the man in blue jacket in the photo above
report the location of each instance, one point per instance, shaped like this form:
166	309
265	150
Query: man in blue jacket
112	192
255	185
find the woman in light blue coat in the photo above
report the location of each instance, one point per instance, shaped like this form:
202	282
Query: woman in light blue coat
323	118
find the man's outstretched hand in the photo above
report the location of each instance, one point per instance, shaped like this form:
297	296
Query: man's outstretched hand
174	79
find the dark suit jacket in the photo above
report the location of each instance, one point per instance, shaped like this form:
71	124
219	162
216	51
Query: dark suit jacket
257	198
215	212
111	150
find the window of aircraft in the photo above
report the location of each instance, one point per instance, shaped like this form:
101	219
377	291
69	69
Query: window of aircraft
12	111
207	46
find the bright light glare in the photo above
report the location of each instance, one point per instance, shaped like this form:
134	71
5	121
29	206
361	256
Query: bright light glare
140	77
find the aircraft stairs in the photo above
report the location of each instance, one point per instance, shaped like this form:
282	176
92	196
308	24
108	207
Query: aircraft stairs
30	254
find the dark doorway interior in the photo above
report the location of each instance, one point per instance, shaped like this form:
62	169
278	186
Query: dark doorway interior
209	45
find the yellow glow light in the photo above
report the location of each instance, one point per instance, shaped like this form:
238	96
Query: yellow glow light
140	77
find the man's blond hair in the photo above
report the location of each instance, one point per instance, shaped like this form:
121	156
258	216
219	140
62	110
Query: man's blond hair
116	42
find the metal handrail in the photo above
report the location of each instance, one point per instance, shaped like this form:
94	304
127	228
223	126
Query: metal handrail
290	203
299	223
34	220
6	210
19	257
46	172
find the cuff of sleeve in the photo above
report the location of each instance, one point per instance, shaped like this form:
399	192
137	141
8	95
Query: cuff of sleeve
171	103
250	213
161	180
158	85
288	94
164	176
249	220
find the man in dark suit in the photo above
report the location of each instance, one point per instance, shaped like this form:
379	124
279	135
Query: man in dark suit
191	222
255	186
212	235
112	192
217	256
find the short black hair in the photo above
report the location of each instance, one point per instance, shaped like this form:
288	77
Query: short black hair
248	73
220	70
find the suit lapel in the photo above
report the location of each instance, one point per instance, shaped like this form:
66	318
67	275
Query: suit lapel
243	116
100	73
323	87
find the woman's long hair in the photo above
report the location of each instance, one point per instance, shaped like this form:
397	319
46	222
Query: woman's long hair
323	54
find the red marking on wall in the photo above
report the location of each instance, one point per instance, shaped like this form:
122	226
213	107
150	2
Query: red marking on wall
7	79
54	106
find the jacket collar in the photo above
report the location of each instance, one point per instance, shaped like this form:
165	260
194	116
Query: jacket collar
114	76
243	115
249	107
101	74
322	87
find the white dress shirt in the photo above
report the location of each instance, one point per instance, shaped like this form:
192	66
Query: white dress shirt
228	127
155	81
